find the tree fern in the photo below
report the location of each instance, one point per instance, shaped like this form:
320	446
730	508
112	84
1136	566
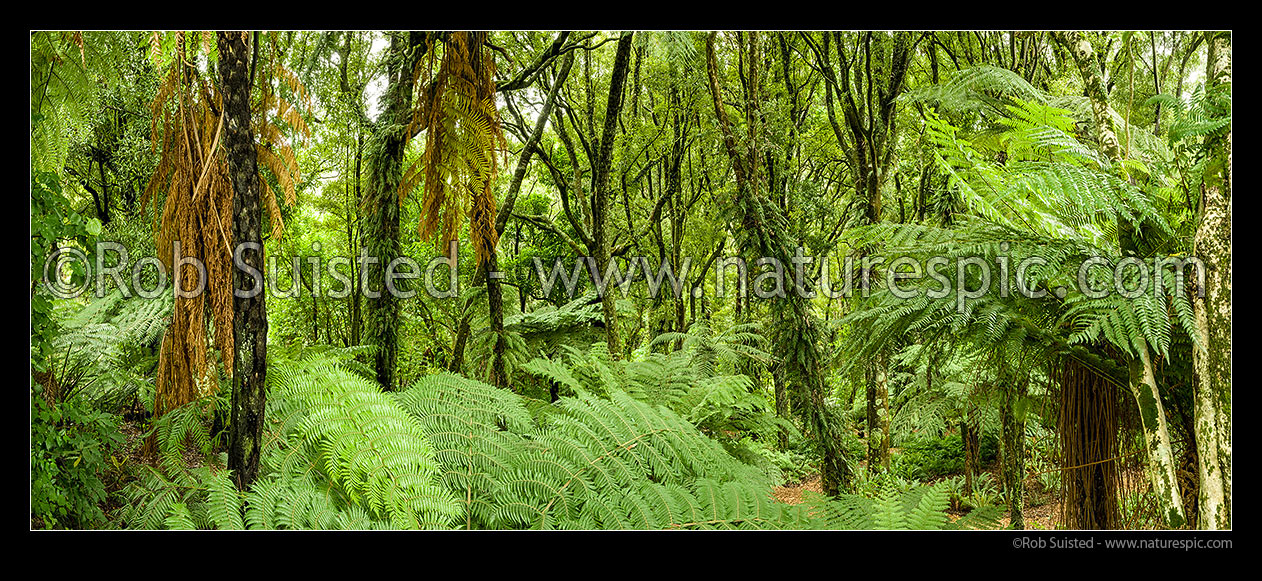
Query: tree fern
451	451
366	445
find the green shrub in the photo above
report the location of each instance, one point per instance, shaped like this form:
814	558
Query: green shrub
932	458
69	444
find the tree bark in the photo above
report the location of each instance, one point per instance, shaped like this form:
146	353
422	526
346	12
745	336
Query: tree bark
1212	244
600	198
357	317
1013	440
1161	466
381	226
972	444
249	325
878	419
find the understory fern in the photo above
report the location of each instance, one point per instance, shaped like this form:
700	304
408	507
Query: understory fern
367	447
453	452
105	346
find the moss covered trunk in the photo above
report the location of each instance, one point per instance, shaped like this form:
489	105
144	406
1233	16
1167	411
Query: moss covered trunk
1012	440
1161	467
381	201
1212	308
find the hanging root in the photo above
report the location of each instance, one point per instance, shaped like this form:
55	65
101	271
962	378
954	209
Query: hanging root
1088	426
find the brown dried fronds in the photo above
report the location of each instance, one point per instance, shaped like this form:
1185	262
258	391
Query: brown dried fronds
273	211
463	132
197	214
193	179
276	117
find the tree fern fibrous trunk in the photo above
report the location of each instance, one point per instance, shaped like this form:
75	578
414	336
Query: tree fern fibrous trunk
1013	441
1088	430
249	356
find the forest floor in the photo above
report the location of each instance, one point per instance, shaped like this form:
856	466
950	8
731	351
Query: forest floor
1043	515
130	459
1042	510
791	493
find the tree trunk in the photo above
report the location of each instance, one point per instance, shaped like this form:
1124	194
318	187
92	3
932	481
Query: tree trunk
462	340
868	109
499	377
878	419
972	443
1161	467
1212	308
249	326
357	317
381	225
600	199
1013	440
782	406
105	191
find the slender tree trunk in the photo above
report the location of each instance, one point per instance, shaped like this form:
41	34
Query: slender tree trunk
249	358
1212	244
498	375
495	303
782	406
105	191
1161	466
868	104
357	317
1013	440
600	199
381	225
972	443
878	419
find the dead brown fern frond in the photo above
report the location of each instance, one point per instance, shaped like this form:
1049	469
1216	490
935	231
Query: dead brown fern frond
273	113
458	115
196	209
196	189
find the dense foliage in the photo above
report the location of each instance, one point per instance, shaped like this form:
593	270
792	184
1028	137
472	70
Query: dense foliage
660	280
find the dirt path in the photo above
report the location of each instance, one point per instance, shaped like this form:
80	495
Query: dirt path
792	493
